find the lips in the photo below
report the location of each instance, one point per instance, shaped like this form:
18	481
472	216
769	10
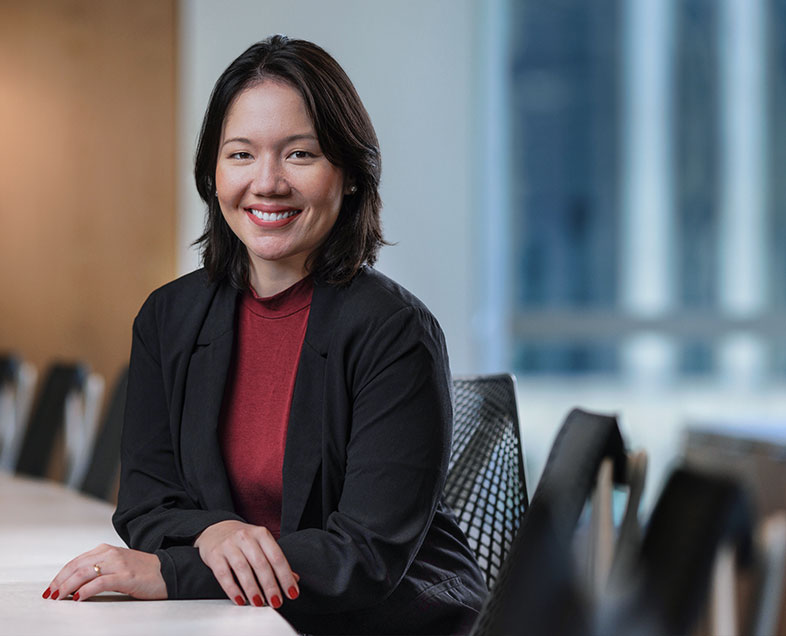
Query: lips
272	217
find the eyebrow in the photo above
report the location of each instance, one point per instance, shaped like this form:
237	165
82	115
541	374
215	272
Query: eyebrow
283	142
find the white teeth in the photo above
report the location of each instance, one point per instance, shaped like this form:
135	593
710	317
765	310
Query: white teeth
275	216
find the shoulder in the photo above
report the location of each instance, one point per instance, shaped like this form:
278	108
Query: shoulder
178	301
381	325
188	285
377	312
374	296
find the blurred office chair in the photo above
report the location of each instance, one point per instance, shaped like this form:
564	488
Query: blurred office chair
754	452
65	408
486	485
701	523
17	381
537	591
767	615
101	477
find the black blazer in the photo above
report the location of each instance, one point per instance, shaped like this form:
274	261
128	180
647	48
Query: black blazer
367	447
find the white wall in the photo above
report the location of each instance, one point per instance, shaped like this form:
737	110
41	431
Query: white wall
412	62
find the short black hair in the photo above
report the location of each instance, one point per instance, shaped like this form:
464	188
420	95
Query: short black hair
346	137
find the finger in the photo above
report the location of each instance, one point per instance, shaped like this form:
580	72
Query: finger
98	584
244	569
223	573
278	561
249	544
54	591
83	573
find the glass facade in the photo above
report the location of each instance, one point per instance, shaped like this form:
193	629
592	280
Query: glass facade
565	145
567	88
696	154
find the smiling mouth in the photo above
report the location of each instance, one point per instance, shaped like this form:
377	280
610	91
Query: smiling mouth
273	216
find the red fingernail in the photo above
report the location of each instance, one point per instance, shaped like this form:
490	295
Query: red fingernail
257	600
46	593
275	602
239	600
55	594
293	593
76	596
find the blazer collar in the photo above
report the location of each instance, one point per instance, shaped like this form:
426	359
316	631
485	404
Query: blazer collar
325	306
220	317
208	369
304	445
325	303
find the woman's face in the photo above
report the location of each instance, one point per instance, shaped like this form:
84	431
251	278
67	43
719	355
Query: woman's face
277	191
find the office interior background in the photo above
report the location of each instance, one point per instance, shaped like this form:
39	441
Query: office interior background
586	194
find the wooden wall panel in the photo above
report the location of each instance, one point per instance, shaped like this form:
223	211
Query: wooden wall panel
87	187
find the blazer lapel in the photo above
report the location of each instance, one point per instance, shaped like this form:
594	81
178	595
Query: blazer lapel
208	368
303	451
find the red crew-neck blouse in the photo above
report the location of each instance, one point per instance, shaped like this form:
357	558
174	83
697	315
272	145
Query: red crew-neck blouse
269	336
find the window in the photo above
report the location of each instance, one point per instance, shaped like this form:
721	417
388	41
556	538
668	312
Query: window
648	229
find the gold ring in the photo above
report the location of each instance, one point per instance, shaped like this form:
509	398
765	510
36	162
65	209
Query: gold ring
97	568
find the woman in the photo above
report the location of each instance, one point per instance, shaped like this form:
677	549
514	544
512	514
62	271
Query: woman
288	422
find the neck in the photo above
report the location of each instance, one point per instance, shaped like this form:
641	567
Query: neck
268	281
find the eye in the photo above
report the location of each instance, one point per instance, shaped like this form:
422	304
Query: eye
240	155
301	154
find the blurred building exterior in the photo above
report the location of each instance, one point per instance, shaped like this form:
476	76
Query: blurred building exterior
648	215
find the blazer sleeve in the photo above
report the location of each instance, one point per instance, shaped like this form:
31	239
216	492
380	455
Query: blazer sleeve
155	511
396	462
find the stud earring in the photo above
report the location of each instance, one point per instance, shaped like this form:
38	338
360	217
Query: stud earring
353	189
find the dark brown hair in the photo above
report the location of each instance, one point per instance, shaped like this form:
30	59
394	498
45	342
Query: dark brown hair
346	137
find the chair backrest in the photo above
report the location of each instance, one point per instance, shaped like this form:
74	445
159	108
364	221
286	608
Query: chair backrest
486	485
104	468
697	515
537	591
17	382
47	419
9	373
9	368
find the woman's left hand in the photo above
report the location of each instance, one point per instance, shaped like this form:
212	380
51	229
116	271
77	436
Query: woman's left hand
109	568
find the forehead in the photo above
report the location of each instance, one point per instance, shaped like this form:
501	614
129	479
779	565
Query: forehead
266	108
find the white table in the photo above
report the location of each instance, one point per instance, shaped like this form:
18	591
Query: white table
42	526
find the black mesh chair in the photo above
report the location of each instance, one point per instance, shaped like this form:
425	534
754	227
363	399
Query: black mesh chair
47	420
101	477
486	487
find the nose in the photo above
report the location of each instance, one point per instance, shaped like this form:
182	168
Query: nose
269	178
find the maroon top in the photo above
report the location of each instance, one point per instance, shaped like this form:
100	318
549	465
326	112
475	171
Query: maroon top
255	412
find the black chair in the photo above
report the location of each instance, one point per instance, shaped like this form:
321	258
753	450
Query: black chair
9	373
486	486
9	368
666	592
102	474
47	420
17	381
537	591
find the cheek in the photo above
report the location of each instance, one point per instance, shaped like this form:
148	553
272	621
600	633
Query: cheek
331	193
227	185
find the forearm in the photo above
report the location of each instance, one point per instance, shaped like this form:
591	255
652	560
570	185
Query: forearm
186	575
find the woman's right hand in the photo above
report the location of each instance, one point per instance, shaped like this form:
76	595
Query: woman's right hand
236	550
